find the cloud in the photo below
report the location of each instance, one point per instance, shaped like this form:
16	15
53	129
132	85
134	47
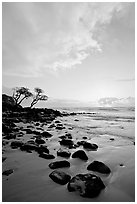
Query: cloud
51	36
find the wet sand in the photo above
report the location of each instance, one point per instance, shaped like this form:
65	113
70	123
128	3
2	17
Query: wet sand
30	180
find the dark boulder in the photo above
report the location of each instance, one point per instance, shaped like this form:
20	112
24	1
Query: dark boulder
60	127
80	154
29	131
63	153
46	134
90	146
99	167
28	147
60	177
88	185
57	121
36	132
4	158
31	142
81	142
42	149
10	136
68	136
6	129
47	156
59	164
16	144
8	103
7	172
37	124
66	142
52	126
84	138
87	145
39	141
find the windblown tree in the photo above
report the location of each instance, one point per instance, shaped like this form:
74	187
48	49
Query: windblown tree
20	94
38	96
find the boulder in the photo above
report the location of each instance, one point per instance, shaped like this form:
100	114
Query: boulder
4	158
8	103
42	149
57	121
66	142
28	147
46	134
29	131
16	144
60	127
47	156
6	129
60	177
88	185
10	136
99	167
7	172
90	146
39	141
84	138
37	124
59	164
80	154
87	145
63	153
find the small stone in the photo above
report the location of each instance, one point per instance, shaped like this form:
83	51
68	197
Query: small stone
47	156
99	167
80	154
112	139
121	165
84	138
59	164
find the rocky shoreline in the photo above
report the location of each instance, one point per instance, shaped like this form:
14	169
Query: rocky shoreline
30	130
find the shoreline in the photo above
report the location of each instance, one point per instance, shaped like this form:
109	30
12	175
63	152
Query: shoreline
30	179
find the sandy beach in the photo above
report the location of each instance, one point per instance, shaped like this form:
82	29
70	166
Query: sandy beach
111	130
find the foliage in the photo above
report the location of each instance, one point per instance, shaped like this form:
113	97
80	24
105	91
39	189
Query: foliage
20	94
38	96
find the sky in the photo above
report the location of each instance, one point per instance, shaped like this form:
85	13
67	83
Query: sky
80	51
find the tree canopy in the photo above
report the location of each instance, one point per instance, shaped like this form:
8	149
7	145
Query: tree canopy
38	96
20	94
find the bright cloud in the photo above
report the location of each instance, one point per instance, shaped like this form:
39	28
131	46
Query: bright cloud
38	36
